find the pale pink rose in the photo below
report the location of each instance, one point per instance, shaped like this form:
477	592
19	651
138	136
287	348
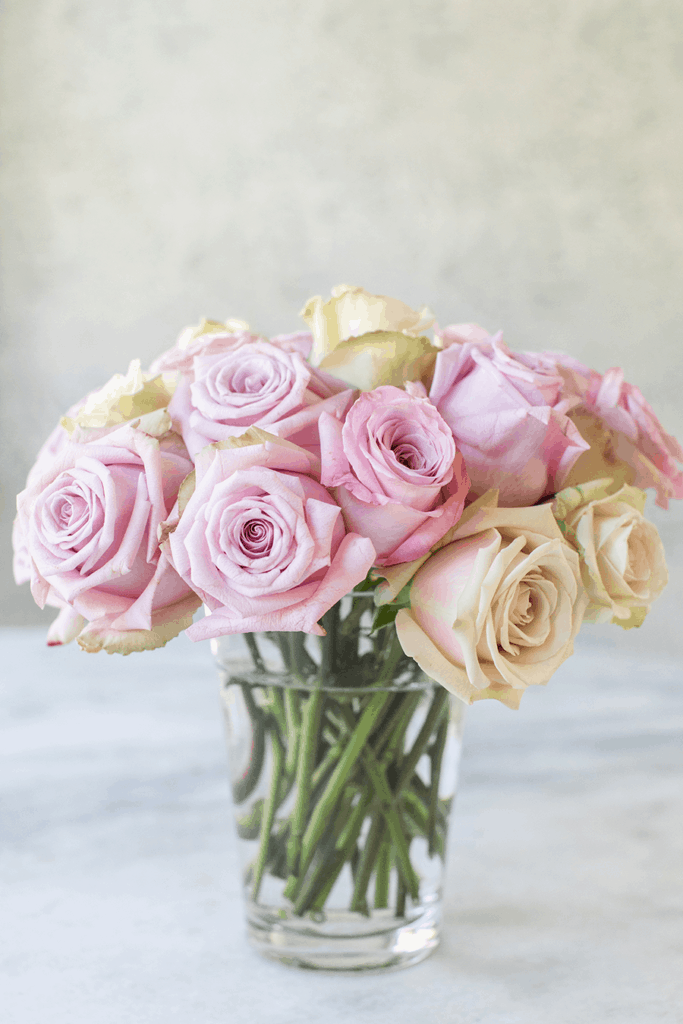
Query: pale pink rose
457	334
87	522
262	541
299	341
577	379
211	336
397	473
508	419
254	384
49	451
190	344
561	378
640	440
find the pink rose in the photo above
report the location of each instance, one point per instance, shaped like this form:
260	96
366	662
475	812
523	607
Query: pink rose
509	419
49	451
640	440
399	477
262	541
87	523
299	341
211	337
563	378
195	341
456	334
576	378
253	384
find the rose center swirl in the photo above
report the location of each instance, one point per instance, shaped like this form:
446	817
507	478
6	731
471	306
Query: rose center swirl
256	537
412	448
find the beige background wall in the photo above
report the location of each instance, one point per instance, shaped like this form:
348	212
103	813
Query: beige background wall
516	163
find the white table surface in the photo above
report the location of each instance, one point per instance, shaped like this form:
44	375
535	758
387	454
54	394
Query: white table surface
120	894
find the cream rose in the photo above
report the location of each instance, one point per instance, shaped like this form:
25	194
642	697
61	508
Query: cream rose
121	399
622	556
369	340
496	608
352	312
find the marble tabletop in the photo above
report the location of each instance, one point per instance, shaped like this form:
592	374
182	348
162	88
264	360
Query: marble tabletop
120	893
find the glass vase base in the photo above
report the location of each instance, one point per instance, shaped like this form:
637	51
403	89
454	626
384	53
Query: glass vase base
342	943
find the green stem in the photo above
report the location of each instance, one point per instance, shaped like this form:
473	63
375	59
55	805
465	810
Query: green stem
308	742
276	706
268	815
244	787
323	809
419	816
371	849
308	888
330	758
401	894
390	809
321	883
436	757
383	876
410	762
392	658
394	741
295	662
249	824
392	816
283	642
255	653
293	720
328	644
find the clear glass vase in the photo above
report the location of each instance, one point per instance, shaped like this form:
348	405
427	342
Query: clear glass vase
344	762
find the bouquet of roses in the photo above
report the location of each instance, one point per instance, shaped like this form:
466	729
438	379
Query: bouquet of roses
444	505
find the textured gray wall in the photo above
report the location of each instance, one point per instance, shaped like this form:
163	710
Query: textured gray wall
519	164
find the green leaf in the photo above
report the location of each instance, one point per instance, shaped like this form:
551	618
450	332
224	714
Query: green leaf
386	613
402	599
368	584
384	616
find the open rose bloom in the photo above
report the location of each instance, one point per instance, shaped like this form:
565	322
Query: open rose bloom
489	500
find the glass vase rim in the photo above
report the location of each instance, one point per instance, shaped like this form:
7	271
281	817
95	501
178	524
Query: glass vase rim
289	681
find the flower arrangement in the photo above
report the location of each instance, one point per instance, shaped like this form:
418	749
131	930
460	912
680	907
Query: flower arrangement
444	505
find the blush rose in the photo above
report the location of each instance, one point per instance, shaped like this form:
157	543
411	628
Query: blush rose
397	473
87	527
508	419
215	336
639	439
262	541
253	384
